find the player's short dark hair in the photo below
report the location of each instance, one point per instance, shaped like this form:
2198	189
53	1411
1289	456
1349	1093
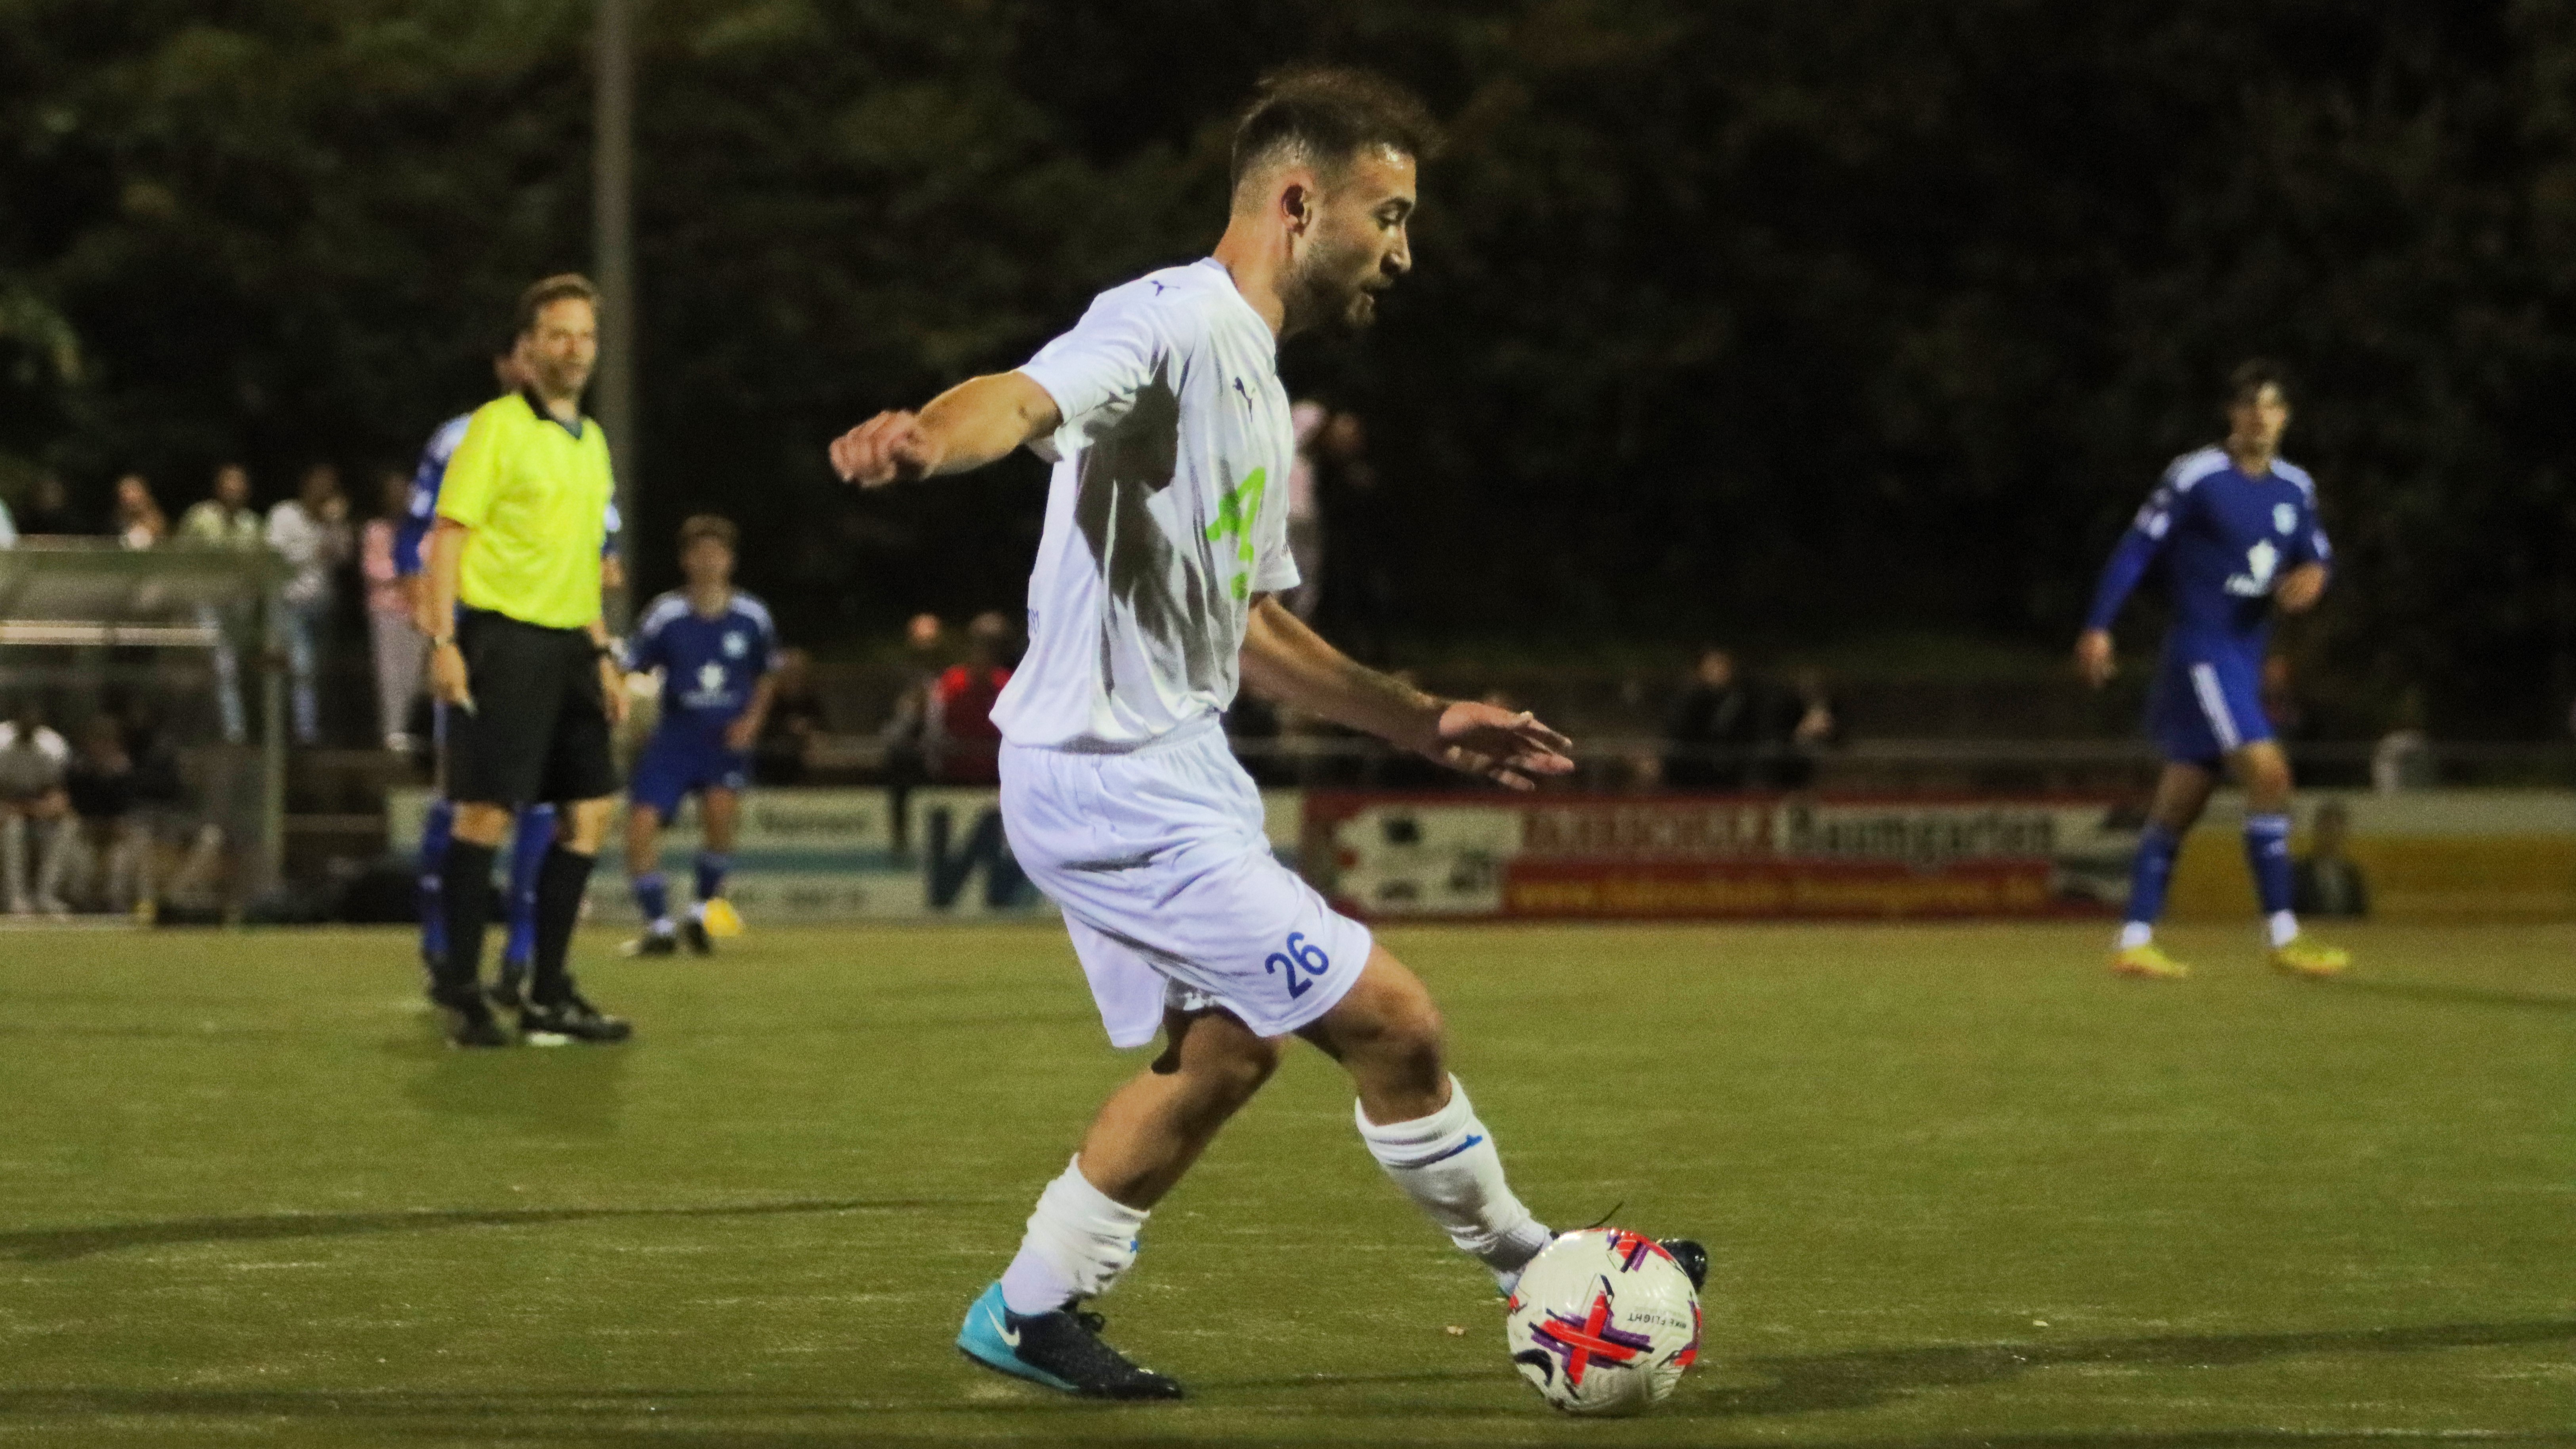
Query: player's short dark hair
1325	115
545	292
2253	375
708	525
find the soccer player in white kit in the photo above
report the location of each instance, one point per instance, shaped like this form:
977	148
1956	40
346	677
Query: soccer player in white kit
1154	597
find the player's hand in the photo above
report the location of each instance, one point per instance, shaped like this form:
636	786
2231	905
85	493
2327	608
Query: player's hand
612	691
887	448
2093	657
2300	588
447	676
1507	748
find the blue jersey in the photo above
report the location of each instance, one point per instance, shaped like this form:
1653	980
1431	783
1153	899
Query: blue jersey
2223	540
709	666
420	513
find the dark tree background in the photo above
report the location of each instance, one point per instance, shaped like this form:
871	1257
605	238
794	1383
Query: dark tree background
1789	321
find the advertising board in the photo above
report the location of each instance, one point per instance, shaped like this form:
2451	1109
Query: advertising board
1684	857
836	855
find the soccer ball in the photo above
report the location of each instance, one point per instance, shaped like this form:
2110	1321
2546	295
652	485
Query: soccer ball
1603	1322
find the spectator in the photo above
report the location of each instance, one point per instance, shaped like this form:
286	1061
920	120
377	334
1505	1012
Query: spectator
963	745
48	510
2282	706
163	813
2403	758
100	782
399	648
1711	733
925	647
795	717
312	531
32	759
1363	579
140	523
224	521
2327	882
1805	723
1305	511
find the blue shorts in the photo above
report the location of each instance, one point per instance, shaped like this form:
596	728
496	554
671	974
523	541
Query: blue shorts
2206	703
674	766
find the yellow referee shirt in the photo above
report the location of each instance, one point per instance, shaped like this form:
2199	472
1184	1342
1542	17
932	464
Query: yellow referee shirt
536	495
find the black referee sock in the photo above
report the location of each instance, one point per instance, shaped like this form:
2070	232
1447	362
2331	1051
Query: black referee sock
560	883
465	885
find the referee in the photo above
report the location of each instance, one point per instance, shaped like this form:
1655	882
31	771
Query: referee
525	665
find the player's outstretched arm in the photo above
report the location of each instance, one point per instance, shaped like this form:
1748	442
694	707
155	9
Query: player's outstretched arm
966	427
2300	588
1287	662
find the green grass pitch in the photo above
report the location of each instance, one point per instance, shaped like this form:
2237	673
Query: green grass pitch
1961	1187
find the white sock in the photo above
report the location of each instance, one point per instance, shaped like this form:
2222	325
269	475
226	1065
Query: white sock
49	875
2134	934
2282	927
13	859
1079	1240
1447	1164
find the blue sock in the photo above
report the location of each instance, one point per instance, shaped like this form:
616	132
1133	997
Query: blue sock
2267	853
652	897
431	894
2152	872
527	857
712	866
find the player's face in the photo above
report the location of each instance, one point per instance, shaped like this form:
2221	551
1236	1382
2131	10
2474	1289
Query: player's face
2258	421
708	563
1359	244
562	347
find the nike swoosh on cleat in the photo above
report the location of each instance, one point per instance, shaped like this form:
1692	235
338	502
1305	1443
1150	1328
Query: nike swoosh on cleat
1003	1330
1440	1156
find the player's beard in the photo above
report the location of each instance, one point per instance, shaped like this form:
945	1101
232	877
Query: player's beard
1332	287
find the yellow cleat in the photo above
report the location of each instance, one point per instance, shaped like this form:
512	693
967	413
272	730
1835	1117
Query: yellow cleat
723	922
2148	961
2310	959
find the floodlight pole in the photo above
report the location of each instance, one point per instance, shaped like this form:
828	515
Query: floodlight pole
612	162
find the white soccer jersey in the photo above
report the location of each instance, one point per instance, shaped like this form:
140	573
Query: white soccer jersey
1166	513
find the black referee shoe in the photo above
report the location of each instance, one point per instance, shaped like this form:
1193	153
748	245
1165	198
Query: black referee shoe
468	1021
510	992
570	1020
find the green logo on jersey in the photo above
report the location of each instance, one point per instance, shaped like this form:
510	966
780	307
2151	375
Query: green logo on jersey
1235	514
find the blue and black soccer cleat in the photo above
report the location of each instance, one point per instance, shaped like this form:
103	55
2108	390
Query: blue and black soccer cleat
1061	1350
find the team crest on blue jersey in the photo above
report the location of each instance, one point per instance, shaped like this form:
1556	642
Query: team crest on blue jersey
735	645
2284	518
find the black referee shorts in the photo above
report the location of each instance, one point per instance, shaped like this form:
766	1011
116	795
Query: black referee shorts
538	732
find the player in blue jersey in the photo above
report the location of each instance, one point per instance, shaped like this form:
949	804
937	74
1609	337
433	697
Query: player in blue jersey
2234	530
718	655
536	824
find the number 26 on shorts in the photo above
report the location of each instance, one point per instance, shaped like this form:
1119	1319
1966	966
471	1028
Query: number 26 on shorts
1301	955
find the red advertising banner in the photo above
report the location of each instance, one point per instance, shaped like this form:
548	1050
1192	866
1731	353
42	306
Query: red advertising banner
1781	857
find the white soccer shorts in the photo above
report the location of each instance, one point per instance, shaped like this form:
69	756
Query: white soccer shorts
1169	888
